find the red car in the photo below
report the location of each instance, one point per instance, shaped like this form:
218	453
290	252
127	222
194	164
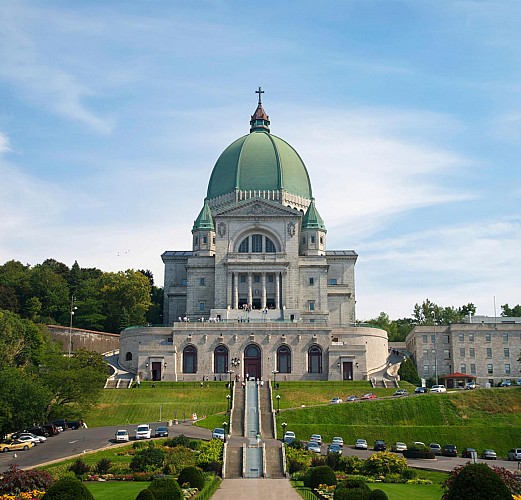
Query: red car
370	395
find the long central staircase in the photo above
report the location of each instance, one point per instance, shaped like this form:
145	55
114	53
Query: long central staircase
252	450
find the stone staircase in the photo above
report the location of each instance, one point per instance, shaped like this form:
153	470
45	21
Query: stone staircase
238	411
266	412
233	462
274	469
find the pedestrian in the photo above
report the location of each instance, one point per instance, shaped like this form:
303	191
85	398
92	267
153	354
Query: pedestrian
153	385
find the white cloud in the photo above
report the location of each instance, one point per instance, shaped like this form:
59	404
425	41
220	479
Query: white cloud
4	143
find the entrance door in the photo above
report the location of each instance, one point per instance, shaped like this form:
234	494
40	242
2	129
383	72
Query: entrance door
252	362
156	370
347	370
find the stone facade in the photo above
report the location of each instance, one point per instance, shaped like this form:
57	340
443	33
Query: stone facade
79	338
487	348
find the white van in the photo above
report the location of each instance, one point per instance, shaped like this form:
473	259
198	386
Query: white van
143	431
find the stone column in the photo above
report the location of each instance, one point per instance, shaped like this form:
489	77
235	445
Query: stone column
277	290
250	291
235	291
263	300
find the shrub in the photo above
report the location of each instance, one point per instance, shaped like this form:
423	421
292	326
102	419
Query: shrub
137	445
145	495
352	464
425	454
66	489
409	474
476	481
16	480
318	460
79	467
180	440
103	466
320	475
165	488
334	461
178	458
512	482
147	459
377	495
383	463
297	444
297	459
352	489
210	456
193	476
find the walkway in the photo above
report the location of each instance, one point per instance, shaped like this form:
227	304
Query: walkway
256	489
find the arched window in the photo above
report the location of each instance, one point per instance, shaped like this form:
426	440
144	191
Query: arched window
128	356
257	243
189	359
252	351
315	359
284	359
270	246
244	247
220	359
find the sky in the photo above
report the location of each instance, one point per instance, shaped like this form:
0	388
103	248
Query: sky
406	113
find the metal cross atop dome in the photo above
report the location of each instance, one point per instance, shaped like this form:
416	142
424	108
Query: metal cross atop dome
260	92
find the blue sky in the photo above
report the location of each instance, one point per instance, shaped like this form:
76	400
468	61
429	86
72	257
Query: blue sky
406	113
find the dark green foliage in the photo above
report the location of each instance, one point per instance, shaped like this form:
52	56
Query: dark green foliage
409	474
511	481
193	476
145	495
295	465
317	460
165	488
79	467
354	489
67	489
354	483
377	495
320	475
334	460
475	481
103	466
297	444
352	464
408	372
180	440
19	480
147	459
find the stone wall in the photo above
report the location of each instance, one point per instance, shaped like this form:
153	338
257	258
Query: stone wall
83	339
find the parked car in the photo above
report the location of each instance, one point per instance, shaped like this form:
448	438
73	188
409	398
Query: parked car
450	450
421	390
27	436
218	433
335	448
369	395
161	432
38	430
438	388
51	429
435	448
379	445
399	447
489	455
68	424
401	392
122	436
470	386
361	444
467	452
143	431
335	401
505	383
317	438
514	454
350	399
289	437
14	444
419	444
313	447
338	440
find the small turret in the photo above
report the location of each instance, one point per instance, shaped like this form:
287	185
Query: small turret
203	232
313	233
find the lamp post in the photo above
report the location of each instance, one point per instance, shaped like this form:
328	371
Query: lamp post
275	378
73	308
235	362
229	400
225	426
284	424
435	349
277	397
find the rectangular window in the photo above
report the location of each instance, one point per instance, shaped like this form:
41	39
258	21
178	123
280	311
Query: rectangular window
303	240
311	305
201	306
201	281
426	352
333	281
471	337
426	369
505	337
433	352
461	337
205	240
487	337
462	352
507	369
424	339
473	369
184	282
312	239
321	240
506	352
256	243
270	278
472	352
311	281
243	278
446	354
196	240
256	278
446	339
490	369
489	352
433	339
463	368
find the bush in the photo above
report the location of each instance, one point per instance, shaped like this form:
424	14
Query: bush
79	467
165	488
297	444
66	489
145	495
16	480
383	463
377	495
318	460
334	460
409	474
180	440
193	476
352	464
476	481
178	458
511	481
352	489
147	459
320	475
210	456
103	466
425	454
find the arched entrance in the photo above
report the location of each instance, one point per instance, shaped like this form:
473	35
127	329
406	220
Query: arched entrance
252	361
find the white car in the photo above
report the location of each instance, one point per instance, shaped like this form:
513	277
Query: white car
122	436
335	401
338	440
438	388
143	431
33	438
314	447
218	433
361	444
289	437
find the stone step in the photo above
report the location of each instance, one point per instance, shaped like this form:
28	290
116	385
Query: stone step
274	469
233	463
267	429
238	412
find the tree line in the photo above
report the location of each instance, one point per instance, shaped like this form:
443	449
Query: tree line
47	293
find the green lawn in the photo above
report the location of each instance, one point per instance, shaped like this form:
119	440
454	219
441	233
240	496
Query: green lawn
122	490
409	491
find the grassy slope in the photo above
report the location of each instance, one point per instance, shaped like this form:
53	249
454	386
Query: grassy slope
122	490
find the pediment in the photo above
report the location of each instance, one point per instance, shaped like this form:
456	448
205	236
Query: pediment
257	208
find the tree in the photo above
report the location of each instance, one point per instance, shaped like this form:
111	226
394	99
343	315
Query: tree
511	311
52	290
409	372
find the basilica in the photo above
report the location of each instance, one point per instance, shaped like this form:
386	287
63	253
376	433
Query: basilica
259	294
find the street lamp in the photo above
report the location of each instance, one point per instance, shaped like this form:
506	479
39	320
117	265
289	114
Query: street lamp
435	349
229	400
277	397
73	308
284	424
275	378
235	362
225	425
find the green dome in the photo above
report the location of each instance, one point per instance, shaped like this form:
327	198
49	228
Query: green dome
259	161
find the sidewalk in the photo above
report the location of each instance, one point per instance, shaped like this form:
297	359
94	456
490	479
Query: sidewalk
256	489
